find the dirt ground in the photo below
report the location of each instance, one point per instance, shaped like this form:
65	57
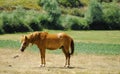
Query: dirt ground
29	63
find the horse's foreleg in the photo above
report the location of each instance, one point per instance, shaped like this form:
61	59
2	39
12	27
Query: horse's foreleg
42	51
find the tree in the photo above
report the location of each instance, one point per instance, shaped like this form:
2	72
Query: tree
94	15
112	15
70	3
53	10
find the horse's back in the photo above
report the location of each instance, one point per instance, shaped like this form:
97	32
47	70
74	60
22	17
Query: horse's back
55	41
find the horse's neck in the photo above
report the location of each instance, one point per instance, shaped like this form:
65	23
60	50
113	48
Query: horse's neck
31	39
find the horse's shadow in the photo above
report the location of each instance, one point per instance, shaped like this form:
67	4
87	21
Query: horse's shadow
60	67
66	67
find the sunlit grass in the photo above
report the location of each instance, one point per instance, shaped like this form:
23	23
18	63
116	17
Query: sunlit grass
86	42
108	37
31	4
80	48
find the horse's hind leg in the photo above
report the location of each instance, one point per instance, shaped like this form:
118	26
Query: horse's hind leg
67	55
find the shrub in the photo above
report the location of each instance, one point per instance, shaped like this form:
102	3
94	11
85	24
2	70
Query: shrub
111	15
1	24
32	20
73	22
94	15
54	12
70	3
73	11
20	20
11	22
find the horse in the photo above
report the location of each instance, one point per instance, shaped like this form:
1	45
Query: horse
44	41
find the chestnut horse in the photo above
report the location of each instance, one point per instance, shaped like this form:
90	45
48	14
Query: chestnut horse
45	41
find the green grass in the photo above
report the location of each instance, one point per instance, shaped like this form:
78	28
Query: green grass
98	48
108	37
86	42
80	48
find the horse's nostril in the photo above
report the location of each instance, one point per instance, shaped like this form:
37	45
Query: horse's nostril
22	50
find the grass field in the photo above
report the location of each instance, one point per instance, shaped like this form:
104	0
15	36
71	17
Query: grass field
90	42
96	52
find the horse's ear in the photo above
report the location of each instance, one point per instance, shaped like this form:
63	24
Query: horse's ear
21	38
25	37
43	35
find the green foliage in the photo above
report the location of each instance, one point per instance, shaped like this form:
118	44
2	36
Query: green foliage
53	10
70	3
19	20
94	15
94	12
112	15
62	14
32	19
12	23
1	23
73	11
73	22
51	6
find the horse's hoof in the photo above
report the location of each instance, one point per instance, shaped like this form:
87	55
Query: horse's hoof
67	66
42	65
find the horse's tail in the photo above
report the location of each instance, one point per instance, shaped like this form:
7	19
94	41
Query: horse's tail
72	47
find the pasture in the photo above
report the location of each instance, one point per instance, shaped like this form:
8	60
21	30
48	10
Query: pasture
96	52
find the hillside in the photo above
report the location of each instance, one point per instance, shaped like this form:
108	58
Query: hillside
12	4
32	4
27	15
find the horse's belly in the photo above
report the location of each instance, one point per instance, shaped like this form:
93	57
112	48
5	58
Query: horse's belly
54	43
53	46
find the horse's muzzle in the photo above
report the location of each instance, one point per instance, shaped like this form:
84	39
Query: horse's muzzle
22	49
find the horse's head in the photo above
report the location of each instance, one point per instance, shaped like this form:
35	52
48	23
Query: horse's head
24	43
32	38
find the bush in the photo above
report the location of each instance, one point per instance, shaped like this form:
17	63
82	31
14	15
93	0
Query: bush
32	20
73	22
1	24
54	12
70	3
19	20
12	22
73	11
111	15
94	15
